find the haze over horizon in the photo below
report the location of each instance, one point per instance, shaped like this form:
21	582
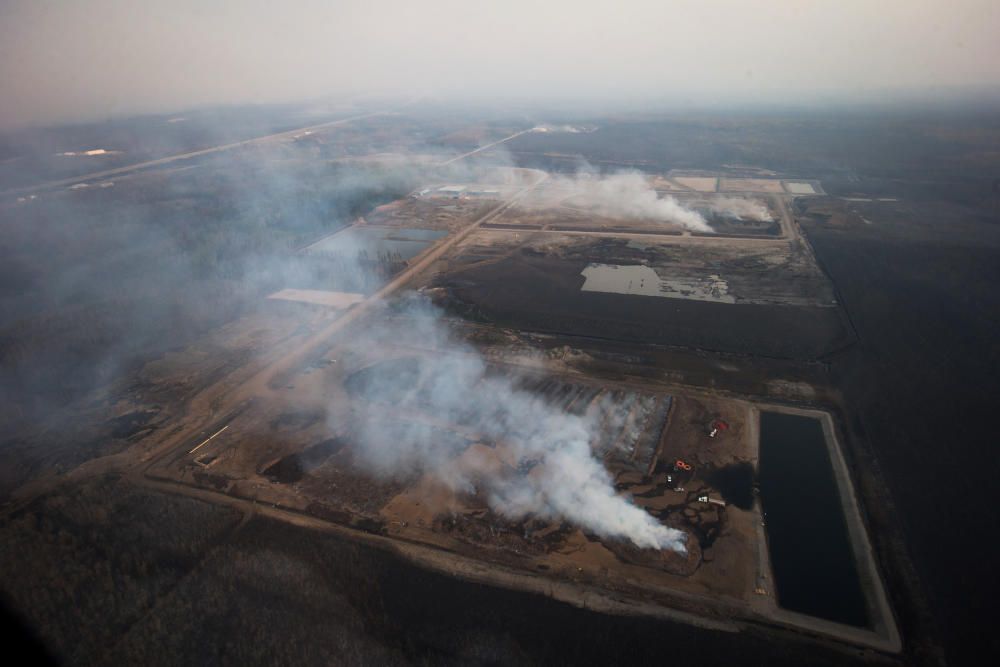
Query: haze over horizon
85	60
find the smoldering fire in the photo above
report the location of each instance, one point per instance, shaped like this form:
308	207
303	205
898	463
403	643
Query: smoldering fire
629	195
567	482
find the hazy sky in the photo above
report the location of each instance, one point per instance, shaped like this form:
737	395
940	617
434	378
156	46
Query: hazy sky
77	59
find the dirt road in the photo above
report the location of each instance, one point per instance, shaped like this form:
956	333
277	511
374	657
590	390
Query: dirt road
483	148
221	397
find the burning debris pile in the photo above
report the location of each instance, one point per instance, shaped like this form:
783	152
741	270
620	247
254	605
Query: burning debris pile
563	480
680	563
630	195
737	208
485	527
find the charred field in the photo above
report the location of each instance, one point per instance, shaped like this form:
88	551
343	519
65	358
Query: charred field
494	293
909	344
328	478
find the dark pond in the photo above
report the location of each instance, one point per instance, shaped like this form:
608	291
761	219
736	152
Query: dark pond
811	554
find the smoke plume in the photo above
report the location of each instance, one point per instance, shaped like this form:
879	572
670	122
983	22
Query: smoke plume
629	195
741	209
540	463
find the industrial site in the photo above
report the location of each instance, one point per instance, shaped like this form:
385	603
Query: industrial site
519	333
349	355
434	405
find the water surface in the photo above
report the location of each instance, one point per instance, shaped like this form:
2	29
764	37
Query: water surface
811	556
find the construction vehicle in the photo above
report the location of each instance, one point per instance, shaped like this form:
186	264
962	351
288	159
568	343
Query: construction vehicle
716	426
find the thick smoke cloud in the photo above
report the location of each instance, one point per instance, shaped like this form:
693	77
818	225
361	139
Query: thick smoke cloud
629	195
541	464
164	261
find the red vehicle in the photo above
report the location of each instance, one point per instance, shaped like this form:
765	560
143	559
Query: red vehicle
717	425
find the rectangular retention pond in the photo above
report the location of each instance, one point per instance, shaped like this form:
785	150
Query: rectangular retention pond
811	556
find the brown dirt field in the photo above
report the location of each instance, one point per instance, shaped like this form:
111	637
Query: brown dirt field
768	185
424	510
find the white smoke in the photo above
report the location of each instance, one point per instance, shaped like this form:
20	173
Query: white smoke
630	195
741	209
541	464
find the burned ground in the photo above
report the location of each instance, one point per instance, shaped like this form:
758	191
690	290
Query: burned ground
495	292
88	563
290	595
920	385
292	467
